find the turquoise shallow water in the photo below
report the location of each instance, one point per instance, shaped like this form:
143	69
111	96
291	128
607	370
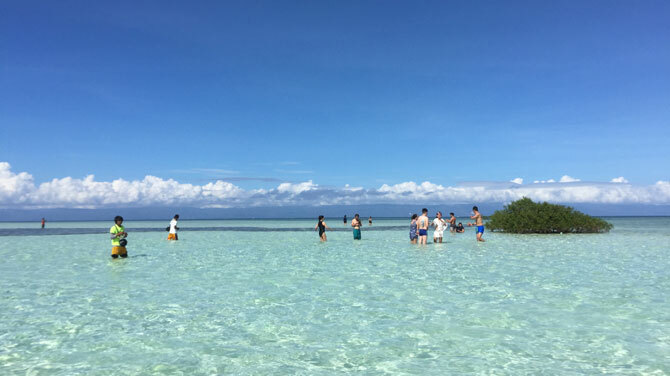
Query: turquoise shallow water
273	302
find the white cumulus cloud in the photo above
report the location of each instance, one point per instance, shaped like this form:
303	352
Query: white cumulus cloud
568	179
19	190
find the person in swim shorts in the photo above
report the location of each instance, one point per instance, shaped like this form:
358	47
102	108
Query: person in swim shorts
422	224
477	216
439	224
412	229
173	228
321	226
356	224
118	235
452	222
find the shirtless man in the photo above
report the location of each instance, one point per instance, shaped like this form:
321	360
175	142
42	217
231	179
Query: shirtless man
356	224
477	216
439	224
423	226
452	222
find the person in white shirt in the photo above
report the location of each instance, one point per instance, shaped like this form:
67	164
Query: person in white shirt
439	224
173	228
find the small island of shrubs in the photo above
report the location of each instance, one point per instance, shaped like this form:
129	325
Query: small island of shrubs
527	217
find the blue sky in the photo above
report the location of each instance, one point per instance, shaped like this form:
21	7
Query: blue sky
359	93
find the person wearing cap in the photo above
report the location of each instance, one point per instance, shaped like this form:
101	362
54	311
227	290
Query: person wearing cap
118	235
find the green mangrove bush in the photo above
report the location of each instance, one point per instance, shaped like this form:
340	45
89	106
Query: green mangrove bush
527	217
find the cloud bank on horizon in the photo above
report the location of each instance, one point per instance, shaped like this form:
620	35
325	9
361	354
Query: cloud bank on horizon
18	190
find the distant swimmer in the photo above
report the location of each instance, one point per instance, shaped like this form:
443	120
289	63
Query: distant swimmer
422	223
322	227
356	224
477	216
460	228
452	222
412	229
344	219
44	221
370	220
439	224
118	236
173	228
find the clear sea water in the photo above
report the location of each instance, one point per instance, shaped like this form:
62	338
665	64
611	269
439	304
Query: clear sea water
227	300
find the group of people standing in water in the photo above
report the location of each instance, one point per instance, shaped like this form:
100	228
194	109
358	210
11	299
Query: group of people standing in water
418	227
118	235
355	223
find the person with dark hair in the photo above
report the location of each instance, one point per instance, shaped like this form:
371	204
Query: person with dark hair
412	229
370	220
172	235
344	219
322	227
460	228
477	216
439	224
118	235
44	221
452	222
423	224
356	224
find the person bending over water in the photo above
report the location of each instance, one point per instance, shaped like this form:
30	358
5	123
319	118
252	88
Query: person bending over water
321	226
412	229
118	236
460	228
356	224
423	224
477	216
